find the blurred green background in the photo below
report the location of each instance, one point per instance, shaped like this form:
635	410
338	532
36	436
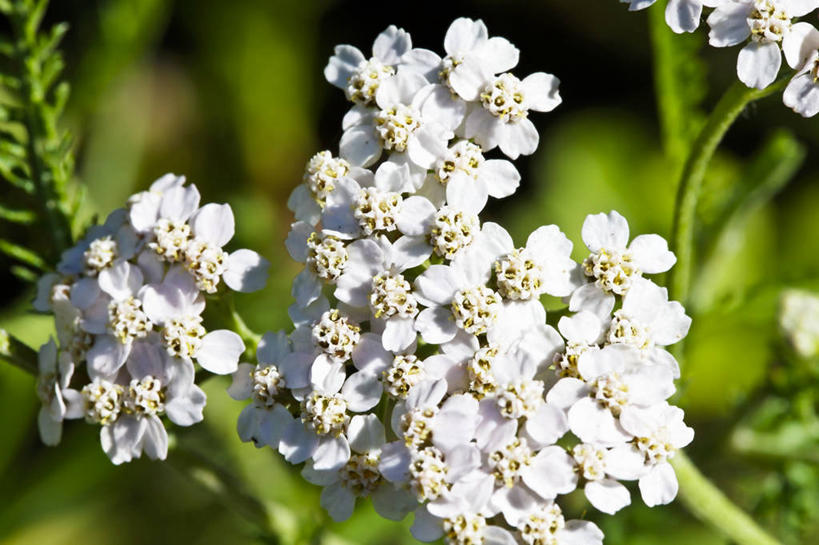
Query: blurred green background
232	95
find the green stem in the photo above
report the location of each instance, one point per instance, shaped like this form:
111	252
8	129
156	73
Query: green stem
710	505
17	353
732	103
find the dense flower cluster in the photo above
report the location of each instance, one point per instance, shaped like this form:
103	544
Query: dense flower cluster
128	301
421	371
767	29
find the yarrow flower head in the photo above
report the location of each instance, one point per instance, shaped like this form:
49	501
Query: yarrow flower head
413	316
127	302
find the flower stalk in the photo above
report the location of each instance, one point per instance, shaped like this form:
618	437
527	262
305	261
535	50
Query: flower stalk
710	505
17	353
732	103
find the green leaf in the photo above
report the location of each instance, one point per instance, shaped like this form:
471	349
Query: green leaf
24	217
22	254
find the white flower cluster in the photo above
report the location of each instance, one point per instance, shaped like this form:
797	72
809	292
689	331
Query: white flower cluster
127	302
767	29
421	371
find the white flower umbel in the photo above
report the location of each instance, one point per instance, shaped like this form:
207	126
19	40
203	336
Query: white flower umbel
501	117
127	309
768	23
802	93
614	263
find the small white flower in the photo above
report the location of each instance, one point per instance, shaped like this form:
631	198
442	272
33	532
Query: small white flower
175	306
51	380
373	279
360	476
614	263
649	322
659	432
768	23
545	525
501	118
605	494
398	125
263	421
582	331
472	56
611	380
360	78
802	93
462	172
449	229
321	176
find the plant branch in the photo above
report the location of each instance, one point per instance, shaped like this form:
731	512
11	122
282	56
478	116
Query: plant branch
17	353
710	505
732	103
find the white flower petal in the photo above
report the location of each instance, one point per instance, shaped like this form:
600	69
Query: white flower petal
659	486
214	223
758	64
246	271
607	495
219	352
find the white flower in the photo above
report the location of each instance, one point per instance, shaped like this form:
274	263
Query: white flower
118	318
398	125
449	229
360	476
462	172
101	246
359	77
501	118
768	24
175	306
324	256
545	525
659	432
802	93
51	380
680	15
611	380
263	421
472	57
614	263
605	494
373	279
582	331
321	176
648	321
167	194
129	413
353	211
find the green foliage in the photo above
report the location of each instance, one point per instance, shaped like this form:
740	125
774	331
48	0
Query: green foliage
35	155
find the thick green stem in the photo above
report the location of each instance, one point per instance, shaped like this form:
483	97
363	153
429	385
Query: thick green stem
710	505
17	353
725	113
